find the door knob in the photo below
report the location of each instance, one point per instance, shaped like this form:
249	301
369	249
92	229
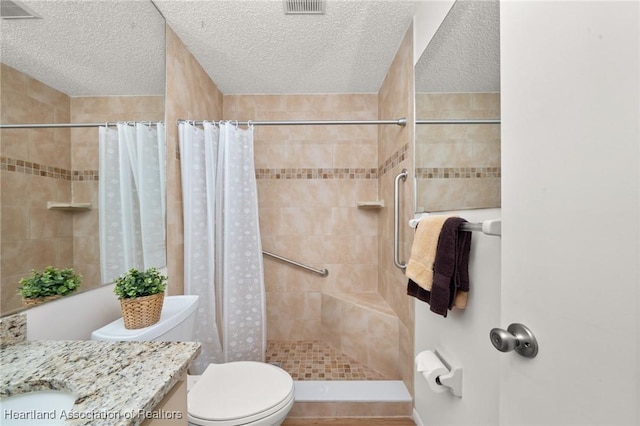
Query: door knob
516	337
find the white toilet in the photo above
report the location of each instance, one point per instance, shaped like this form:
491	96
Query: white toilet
236	393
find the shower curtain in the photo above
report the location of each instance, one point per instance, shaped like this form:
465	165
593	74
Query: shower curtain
222	246
132	198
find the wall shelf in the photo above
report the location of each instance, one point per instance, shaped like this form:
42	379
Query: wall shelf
67	206
370	205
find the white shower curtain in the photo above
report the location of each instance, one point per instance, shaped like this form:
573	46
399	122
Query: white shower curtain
222	246
132	198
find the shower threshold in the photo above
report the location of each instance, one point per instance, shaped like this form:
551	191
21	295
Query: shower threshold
351	391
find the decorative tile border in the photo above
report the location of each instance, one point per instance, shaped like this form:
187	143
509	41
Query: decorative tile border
29	168
337	173
85	175
395	159
458	172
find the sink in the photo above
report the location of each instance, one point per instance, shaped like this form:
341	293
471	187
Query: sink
47	407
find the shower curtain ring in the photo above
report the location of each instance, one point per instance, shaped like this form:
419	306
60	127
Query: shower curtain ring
250	125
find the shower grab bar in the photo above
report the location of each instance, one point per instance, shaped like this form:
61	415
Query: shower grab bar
396	219
321	272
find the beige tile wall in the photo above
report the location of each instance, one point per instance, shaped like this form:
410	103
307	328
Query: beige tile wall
191	94
25	100
53	165
35	167
396	143
364	327
458	166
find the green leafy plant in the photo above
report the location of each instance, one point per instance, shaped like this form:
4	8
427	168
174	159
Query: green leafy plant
136	283
50	282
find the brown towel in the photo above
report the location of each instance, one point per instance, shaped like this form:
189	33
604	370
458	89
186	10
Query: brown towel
451	267
423	251
418	292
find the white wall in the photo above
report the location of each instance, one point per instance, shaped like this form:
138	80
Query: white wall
464	334
427	19
73	317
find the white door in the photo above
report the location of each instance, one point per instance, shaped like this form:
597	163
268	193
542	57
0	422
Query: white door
570	240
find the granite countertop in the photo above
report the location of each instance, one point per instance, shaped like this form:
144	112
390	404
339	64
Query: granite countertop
116	383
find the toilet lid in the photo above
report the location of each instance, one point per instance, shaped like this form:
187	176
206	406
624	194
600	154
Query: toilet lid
238	390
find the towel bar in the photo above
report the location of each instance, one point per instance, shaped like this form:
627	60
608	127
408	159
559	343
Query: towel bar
489	227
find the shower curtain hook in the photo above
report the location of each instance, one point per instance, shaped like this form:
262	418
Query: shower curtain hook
250	125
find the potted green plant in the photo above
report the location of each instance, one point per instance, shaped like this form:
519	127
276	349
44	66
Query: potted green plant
49	284
141	295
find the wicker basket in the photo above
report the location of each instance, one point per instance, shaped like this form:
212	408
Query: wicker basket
140	312
38	300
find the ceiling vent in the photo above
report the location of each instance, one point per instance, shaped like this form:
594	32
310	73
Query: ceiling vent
14	10
303	7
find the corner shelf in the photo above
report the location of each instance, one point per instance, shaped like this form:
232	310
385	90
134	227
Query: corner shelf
370	205
65	206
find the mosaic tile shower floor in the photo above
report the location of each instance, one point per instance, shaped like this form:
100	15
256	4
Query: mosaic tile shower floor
316	360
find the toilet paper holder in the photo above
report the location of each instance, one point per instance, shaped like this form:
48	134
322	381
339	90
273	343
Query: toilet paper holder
452	380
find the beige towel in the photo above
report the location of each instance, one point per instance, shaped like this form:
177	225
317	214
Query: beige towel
461	298
423	250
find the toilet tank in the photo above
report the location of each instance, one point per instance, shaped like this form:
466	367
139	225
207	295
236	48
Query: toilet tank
177	324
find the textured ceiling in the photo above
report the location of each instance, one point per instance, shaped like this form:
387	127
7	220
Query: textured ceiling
89	48
253	47
464	55
115	47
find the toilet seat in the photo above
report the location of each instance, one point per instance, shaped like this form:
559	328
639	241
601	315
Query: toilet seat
238	393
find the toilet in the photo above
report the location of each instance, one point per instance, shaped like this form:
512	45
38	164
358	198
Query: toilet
230	394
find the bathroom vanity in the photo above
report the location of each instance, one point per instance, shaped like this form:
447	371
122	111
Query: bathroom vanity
115	383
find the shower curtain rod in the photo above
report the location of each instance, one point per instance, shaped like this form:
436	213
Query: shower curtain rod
398	122
459	121
66	125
